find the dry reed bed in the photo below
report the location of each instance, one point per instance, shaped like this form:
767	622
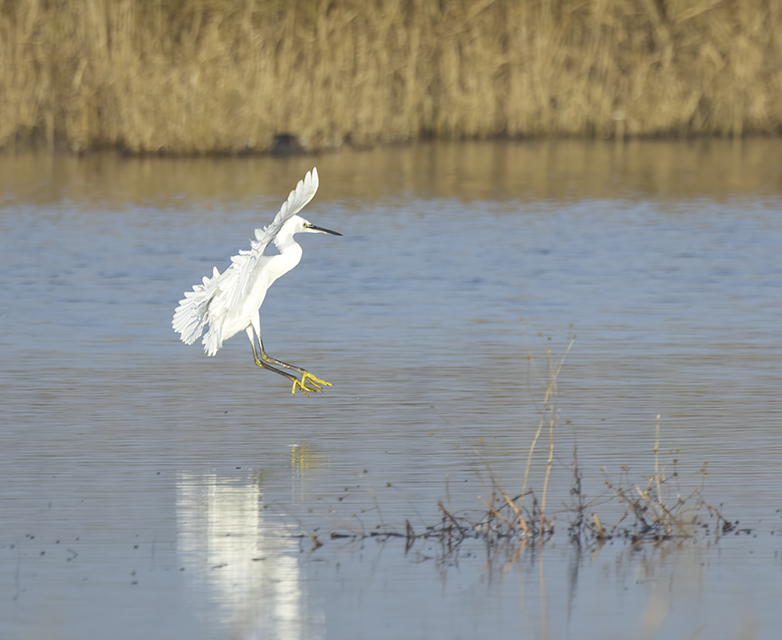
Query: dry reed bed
226	76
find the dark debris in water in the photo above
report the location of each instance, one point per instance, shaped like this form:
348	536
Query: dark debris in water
512	523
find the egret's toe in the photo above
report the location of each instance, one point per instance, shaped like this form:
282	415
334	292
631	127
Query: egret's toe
307	376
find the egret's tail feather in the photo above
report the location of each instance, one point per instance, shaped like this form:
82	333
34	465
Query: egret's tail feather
192	314
213	339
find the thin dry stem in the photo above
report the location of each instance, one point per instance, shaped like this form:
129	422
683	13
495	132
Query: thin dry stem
548	398
656	454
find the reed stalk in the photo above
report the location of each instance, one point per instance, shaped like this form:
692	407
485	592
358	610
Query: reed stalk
549	409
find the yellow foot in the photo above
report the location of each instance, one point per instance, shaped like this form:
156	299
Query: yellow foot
309	384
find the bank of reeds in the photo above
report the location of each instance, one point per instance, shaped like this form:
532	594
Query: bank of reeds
227	76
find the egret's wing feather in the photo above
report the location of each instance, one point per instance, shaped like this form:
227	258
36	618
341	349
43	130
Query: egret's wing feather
243	265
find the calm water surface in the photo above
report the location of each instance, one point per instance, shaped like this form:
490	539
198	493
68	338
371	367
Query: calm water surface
148	491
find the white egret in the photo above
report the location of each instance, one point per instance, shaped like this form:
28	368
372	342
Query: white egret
230	302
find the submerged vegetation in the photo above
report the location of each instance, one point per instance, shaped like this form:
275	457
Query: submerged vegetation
234	76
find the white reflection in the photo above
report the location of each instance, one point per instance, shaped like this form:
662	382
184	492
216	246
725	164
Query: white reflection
241	562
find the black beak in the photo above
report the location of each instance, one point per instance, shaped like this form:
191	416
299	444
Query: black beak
322	230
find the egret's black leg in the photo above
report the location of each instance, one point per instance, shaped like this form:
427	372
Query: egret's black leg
305	375
301	384
261	363
264	361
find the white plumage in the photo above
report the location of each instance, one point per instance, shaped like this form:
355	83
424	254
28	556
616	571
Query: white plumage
229	302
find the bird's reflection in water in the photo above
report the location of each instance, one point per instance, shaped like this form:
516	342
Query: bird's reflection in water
242	563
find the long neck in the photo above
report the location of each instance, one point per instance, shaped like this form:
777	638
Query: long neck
290	254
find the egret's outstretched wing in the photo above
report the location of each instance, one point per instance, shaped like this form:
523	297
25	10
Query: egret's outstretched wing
215	296
241	269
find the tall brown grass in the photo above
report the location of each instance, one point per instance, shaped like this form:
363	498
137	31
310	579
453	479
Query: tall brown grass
226	76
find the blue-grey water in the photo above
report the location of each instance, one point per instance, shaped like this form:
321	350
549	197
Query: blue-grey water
148	491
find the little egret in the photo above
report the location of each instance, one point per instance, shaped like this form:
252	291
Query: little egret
230	302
